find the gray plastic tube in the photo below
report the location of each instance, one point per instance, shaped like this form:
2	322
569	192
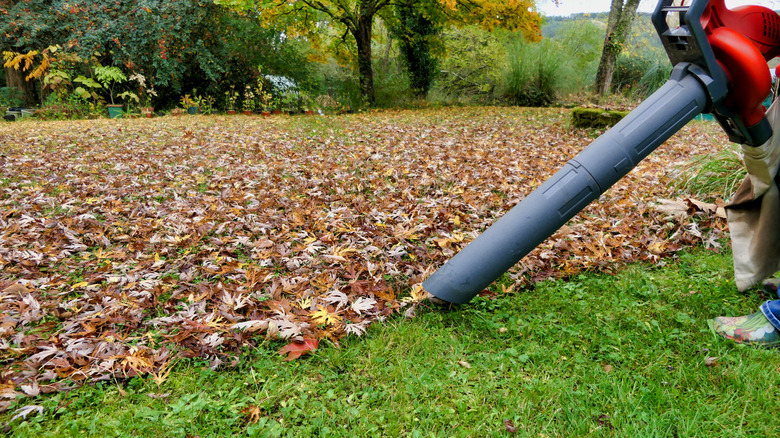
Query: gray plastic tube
581	180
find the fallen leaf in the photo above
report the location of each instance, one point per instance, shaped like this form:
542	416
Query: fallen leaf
464	364
363	304
322	316
16	289
671	207
297	349
7	391
253	414
208	243
31	390
509	426
711	361
25	411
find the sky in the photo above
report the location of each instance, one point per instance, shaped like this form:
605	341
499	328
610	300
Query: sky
568	7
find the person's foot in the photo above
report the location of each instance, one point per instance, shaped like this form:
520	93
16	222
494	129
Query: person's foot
752	329
771	286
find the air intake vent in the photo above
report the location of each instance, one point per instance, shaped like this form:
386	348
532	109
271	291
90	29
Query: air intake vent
771	26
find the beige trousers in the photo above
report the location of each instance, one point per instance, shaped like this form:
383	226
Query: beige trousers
754	212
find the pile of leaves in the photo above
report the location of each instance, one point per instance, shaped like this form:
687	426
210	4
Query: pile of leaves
127	243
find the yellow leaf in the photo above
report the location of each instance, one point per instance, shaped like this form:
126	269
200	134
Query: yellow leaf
79	284
341	251
322	316
216	322
416	295
162	374
137	364
304	303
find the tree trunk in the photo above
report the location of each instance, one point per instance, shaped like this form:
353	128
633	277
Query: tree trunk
362	34
388	47
621	15
15	78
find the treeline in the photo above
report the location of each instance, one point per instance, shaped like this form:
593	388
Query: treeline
226	57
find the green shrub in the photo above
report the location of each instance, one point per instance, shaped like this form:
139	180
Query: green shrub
11	97
68	107
641	73
531	76
391	86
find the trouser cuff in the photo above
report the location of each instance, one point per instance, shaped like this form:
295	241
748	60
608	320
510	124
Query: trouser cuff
771	309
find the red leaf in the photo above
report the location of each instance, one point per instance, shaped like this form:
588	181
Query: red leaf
297	349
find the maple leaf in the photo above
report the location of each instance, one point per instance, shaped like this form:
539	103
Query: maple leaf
161	375
322	316
253	413
336	297
356	329
25	411
31	390
137	364
250	326
294	350
363	304
416	295
304	303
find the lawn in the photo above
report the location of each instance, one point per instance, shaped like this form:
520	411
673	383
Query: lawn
600	355
187	250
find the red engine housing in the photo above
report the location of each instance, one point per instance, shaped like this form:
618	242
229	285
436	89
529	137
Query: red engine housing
743	39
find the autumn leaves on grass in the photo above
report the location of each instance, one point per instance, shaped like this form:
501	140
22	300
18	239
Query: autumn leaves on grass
126	244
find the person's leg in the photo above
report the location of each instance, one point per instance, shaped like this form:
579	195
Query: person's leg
760	329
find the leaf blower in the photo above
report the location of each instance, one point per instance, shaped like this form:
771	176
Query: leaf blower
719	58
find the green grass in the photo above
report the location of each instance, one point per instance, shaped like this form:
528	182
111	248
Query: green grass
712	175
599	355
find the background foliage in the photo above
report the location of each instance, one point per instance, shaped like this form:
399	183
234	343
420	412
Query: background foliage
419	53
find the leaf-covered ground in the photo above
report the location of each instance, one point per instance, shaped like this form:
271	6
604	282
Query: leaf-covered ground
125	244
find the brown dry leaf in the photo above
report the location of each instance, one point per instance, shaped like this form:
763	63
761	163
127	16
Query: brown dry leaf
253	413
207	236
711	361
7	391
16	290
674	208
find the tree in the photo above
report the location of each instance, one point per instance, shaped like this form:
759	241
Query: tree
621	15
356	18
418	37
473	65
